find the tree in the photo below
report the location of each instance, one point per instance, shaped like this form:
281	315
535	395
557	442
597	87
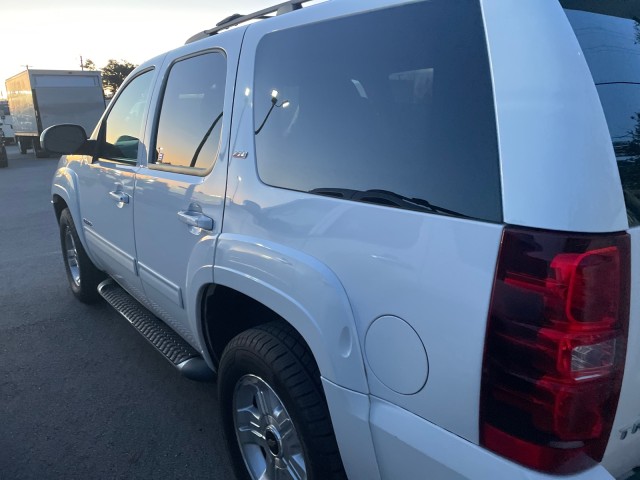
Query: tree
114	73
89	65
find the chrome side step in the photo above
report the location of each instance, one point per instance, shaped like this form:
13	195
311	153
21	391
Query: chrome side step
171	345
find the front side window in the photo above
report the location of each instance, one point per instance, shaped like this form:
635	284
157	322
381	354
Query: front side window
190	123
393	107
123	127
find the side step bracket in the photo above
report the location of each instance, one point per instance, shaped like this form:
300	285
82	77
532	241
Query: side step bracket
171	345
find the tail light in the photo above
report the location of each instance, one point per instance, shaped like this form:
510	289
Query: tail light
555	348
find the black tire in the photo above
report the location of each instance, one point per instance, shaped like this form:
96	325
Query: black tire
38	150
85	277
275	355
22	143
4	160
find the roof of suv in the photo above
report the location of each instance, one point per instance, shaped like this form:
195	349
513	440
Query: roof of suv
238	19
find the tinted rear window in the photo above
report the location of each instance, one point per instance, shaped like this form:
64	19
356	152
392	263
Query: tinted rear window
393	107
609	34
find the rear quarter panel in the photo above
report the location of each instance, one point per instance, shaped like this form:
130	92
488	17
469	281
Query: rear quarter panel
433	272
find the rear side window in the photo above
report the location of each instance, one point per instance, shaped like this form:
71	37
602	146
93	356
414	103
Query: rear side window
609	34
190	123
393	107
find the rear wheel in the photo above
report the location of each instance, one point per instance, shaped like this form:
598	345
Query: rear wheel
82	274
23	144
275	415
38	150
4	160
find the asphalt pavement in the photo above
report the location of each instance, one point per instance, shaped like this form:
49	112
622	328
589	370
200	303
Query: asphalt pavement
82	394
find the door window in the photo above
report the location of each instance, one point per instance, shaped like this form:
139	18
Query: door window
121	132
190	123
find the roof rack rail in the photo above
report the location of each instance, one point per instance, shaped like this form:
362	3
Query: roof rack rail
237	19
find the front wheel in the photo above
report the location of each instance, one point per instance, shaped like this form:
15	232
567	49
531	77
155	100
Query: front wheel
82	274
274	413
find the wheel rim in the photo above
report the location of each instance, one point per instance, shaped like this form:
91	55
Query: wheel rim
268	440
72	256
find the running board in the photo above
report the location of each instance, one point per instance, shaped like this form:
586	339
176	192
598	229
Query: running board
171	345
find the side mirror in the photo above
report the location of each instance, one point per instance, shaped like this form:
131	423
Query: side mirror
66	139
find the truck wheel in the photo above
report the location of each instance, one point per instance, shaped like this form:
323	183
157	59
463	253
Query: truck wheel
274	413
82	274
38	150
4	160
23	146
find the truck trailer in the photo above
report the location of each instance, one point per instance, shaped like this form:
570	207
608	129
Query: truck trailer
41	98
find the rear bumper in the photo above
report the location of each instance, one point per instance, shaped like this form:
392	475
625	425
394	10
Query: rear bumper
408	446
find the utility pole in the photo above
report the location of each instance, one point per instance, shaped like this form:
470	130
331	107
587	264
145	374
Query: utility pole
81	63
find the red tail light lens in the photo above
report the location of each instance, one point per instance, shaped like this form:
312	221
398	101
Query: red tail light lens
555	348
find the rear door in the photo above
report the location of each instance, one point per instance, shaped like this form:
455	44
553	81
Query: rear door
609	34
180	192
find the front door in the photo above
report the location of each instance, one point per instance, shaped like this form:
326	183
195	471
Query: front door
180	193
106	184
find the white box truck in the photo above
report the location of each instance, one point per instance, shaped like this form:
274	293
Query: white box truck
6	123
41	98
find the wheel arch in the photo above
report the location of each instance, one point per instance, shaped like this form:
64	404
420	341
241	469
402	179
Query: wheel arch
59	204
299	290
64	194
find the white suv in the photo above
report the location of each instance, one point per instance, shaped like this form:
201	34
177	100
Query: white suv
395	231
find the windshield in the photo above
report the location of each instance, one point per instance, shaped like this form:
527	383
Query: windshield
610	41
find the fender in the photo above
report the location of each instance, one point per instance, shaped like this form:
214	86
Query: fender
65	186
303	291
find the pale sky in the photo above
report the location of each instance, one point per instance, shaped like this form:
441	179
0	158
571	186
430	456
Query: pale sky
47	34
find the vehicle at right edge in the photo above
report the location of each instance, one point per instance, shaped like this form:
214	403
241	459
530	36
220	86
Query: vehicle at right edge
404	236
